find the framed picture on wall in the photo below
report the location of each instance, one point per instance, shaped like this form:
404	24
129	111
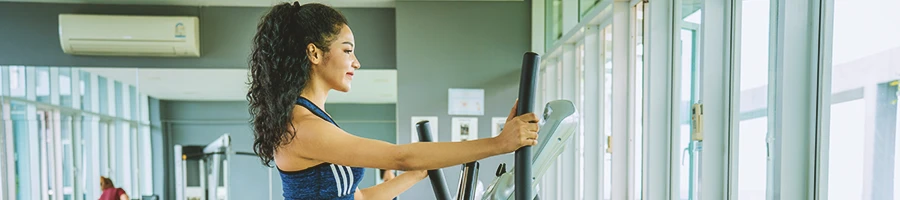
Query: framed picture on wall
463	101
497	124
464	129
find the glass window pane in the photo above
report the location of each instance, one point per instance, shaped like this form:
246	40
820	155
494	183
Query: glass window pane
120	102
863	142
88	161
68	162
103	95
146	163
17	81
104	149
42	85
86	92
3	79
690	20
118	143
638	42
553	21
579	74
21	146
47	149
586	5
65	86
753	125
607	62
133	102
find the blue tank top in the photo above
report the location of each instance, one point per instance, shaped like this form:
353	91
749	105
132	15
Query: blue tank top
325	181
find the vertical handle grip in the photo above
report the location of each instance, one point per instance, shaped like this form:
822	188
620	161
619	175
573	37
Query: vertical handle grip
436	176
523	179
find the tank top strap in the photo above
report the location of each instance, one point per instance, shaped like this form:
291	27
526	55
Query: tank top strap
306	103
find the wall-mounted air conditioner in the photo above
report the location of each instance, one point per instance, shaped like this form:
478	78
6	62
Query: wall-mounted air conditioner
119	35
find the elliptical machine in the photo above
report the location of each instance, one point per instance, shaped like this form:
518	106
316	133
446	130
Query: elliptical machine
213	168
557	124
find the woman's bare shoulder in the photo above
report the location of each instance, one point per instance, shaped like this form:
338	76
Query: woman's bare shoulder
302	116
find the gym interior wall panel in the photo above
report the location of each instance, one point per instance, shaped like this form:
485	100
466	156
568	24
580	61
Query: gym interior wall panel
442	45
225	35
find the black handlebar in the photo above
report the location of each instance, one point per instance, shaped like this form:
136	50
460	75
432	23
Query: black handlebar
436	176
530	64
523	174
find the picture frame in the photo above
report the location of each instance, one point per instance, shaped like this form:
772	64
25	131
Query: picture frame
497	124
464	129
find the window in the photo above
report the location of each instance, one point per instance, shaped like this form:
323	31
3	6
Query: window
553	21
17	81
133	103
65	130
103	90
65	87
119	99
579	104
638	103
585	6
607	63
22	148
42	89
43	135
85	84
863	143
691	13
753	126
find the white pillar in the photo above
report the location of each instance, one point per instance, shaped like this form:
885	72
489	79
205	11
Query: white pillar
78	185
718	91
568	81
592	112
621	100
797	97
660	122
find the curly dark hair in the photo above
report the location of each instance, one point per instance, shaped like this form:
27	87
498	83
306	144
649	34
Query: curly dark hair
280	68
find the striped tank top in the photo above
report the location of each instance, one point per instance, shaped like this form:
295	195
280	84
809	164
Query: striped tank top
325	181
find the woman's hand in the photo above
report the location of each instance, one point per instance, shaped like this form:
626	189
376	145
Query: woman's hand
518	131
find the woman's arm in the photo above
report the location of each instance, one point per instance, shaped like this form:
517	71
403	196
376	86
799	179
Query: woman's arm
124	197
392	188
320	140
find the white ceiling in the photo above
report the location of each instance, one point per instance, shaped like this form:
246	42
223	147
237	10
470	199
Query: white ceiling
235	3
369	86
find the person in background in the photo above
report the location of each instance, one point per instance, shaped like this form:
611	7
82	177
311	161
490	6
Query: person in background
110	192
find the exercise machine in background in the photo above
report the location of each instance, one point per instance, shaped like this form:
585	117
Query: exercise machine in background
557	125
213	167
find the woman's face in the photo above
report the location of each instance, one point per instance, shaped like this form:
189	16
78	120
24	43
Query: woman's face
339	63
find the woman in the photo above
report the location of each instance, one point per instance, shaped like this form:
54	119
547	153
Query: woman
299	54
110	192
